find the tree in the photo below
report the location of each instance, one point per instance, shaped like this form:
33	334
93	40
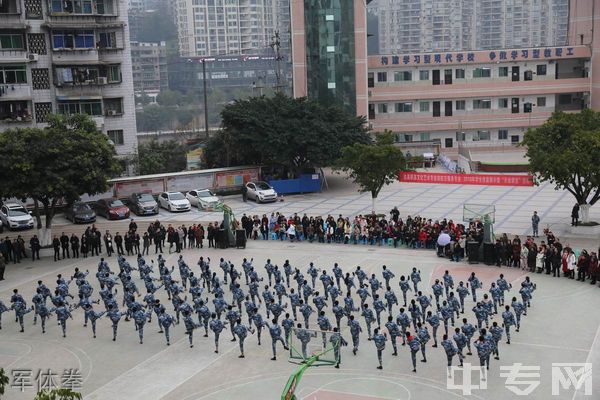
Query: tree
565	151
158	158
153	118
3	381
371	166
169	98
58	394
69	158
294	132
143	99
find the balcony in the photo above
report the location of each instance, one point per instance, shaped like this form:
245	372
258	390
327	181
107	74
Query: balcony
15	111
9	92
83	8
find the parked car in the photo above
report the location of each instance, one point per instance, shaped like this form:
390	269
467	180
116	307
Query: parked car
111	208
261	191
143	204
15	216
80	212
174	201
204	199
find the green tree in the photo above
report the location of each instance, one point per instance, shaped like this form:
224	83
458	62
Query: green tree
3	381
565	151
297	133
69	158
143	99
158	158
58	394
153	118
169	98
371	166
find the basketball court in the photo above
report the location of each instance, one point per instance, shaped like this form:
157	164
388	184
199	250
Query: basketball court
561	327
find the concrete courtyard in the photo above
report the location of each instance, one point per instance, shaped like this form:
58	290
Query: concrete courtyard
561	327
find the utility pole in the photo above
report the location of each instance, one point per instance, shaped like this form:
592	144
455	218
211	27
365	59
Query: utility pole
276	46
205	98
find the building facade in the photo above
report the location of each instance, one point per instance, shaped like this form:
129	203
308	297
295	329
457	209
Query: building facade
453	25
460	97
329	52
149	64
223	27
485	96
67	57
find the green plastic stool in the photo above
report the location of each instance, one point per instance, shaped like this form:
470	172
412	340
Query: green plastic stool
390	242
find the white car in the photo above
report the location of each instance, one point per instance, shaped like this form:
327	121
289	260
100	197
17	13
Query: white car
15	216
204	199
174	201
261	192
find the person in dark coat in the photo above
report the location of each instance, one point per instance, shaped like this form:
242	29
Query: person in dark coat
575	215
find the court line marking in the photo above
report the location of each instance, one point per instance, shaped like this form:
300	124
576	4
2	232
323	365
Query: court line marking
321	388
588	359
411	378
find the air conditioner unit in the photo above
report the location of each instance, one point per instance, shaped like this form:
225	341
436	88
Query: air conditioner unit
32	57
102	80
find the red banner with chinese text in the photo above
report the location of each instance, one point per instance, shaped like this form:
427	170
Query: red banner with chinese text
467	179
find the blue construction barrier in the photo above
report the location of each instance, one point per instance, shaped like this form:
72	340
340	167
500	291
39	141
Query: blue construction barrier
308	183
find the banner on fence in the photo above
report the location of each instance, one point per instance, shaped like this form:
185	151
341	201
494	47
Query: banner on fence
467	179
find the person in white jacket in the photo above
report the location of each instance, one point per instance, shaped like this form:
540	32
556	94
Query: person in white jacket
571	264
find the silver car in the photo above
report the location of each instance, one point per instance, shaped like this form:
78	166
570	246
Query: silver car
261	192
204	199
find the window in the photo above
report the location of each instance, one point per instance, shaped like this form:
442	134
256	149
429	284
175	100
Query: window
113	107
13	74
107	40
89	107
69	39
403	107
382	77
405	138
459	73
460	105
503	134
402	76
424	75
541	69
82	6
116	136
11	41
424	106
503	71
482	73
425	136
541	102
482	104
502	103
481	135
460	136
382	108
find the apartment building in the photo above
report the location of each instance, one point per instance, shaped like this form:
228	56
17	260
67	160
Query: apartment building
149	62
452	25
220	27
67	57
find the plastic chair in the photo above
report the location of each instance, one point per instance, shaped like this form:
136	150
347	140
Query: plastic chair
390	242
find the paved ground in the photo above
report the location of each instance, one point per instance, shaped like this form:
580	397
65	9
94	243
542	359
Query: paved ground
562	326
514	207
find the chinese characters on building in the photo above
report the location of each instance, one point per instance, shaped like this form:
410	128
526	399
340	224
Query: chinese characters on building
470	57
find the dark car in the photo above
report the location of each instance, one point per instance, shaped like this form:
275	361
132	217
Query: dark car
143	204
111	208
80	213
